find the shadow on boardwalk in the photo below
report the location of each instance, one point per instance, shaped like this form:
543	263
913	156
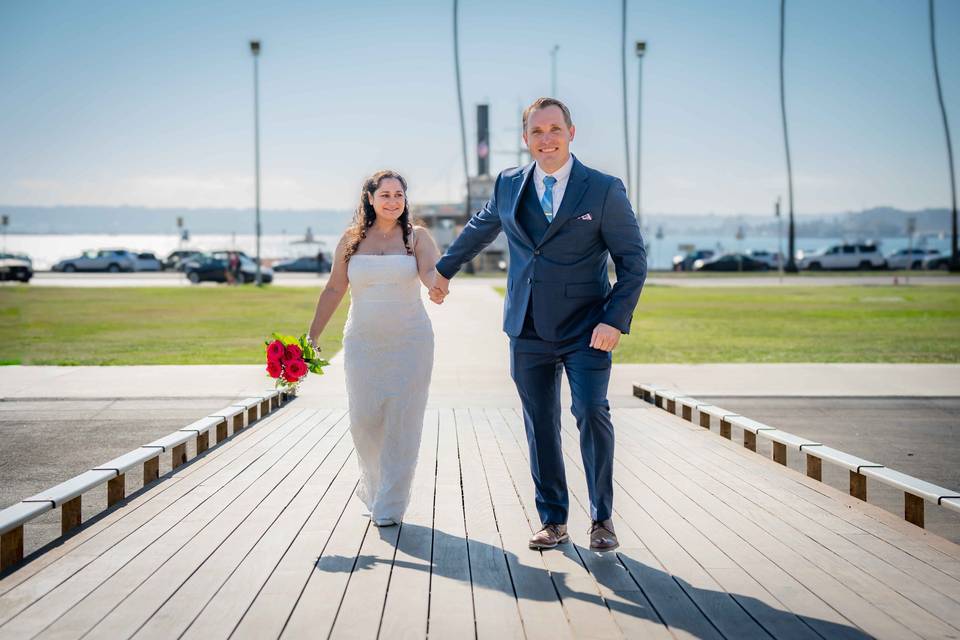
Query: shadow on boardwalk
657	596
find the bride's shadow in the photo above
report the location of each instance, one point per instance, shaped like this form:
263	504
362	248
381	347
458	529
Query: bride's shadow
637	585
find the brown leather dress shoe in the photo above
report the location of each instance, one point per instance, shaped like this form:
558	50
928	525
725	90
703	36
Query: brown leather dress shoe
550	536
602	536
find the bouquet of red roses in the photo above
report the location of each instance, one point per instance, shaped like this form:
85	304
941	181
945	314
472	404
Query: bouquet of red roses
289	359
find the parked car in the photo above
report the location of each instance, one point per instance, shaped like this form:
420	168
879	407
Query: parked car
308	264
146	262
909	258
685	262
843	256
176	259
771	258
937	262
15	267
112	260
212	268
731	262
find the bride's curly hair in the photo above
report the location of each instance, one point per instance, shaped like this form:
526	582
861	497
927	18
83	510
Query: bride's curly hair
365	216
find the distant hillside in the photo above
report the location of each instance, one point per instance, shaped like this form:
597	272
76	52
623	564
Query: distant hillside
143	220
878	222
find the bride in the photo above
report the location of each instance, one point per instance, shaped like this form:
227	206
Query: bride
387	342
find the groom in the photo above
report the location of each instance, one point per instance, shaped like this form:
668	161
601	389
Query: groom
561	220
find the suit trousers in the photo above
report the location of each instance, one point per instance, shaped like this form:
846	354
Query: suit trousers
536	367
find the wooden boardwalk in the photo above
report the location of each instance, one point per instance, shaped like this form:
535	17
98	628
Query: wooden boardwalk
262	537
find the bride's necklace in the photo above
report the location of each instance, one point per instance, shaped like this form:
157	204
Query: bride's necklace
384	235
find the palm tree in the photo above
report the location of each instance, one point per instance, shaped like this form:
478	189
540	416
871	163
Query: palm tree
791	266
623	67
955	258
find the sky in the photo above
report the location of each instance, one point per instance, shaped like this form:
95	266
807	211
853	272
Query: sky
151	103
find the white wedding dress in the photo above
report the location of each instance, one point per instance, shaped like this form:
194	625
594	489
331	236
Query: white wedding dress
388	359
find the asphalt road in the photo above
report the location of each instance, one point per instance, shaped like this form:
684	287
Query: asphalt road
175	279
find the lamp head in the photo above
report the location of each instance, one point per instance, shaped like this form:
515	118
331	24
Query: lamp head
255	47
641	48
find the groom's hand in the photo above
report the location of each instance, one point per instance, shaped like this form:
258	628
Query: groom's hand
605	337
440	288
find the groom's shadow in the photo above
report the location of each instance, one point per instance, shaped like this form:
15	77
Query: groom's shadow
641	591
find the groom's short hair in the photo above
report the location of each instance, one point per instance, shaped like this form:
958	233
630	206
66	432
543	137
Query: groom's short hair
543	103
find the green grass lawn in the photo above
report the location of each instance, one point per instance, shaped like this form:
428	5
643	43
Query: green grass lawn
794	324
196	325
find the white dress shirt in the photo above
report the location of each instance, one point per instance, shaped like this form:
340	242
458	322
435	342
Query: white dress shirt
562	175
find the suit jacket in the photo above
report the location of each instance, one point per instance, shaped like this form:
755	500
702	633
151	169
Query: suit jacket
565	273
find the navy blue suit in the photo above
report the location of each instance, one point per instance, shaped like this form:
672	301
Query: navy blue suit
557	293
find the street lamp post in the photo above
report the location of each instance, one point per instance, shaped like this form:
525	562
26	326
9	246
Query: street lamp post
623	75
255	50
553	70
641	49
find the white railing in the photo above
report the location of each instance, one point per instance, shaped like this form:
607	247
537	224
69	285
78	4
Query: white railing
915	491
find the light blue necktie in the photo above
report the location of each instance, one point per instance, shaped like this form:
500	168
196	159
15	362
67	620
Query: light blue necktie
547	201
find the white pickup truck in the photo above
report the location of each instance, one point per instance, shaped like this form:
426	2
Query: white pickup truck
843	256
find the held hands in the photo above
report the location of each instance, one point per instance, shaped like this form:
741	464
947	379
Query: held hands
440	288
605	337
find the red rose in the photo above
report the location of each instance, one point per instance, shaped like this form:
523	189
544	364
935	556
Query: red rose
275	351
291	353
274	368
296	368
288	375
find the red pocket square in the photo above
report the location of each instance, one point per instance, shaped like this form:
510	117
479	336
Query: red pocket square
585	216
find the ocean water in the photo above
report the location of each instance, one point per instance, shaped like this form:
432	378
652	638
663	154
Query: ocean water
47	249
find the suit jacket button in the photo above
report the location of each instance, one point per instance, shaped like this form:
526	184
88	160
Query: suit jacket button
529	280
536	252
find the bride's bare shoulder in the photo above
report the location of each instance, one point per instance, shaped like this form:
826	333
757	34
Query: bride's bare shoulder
420	231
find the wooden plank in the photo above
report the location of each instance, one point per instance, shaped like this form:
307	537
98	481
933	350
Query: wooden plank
804	494
878	529
842	565
629	605
165	597
913	509
858	486
116	489
273	603
680	529
781	572
227	581
11	547
316	609
540	608
497	613
71	514
178	455
586	608
451	600
57	564
151	469
114	563
362	605
408	597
